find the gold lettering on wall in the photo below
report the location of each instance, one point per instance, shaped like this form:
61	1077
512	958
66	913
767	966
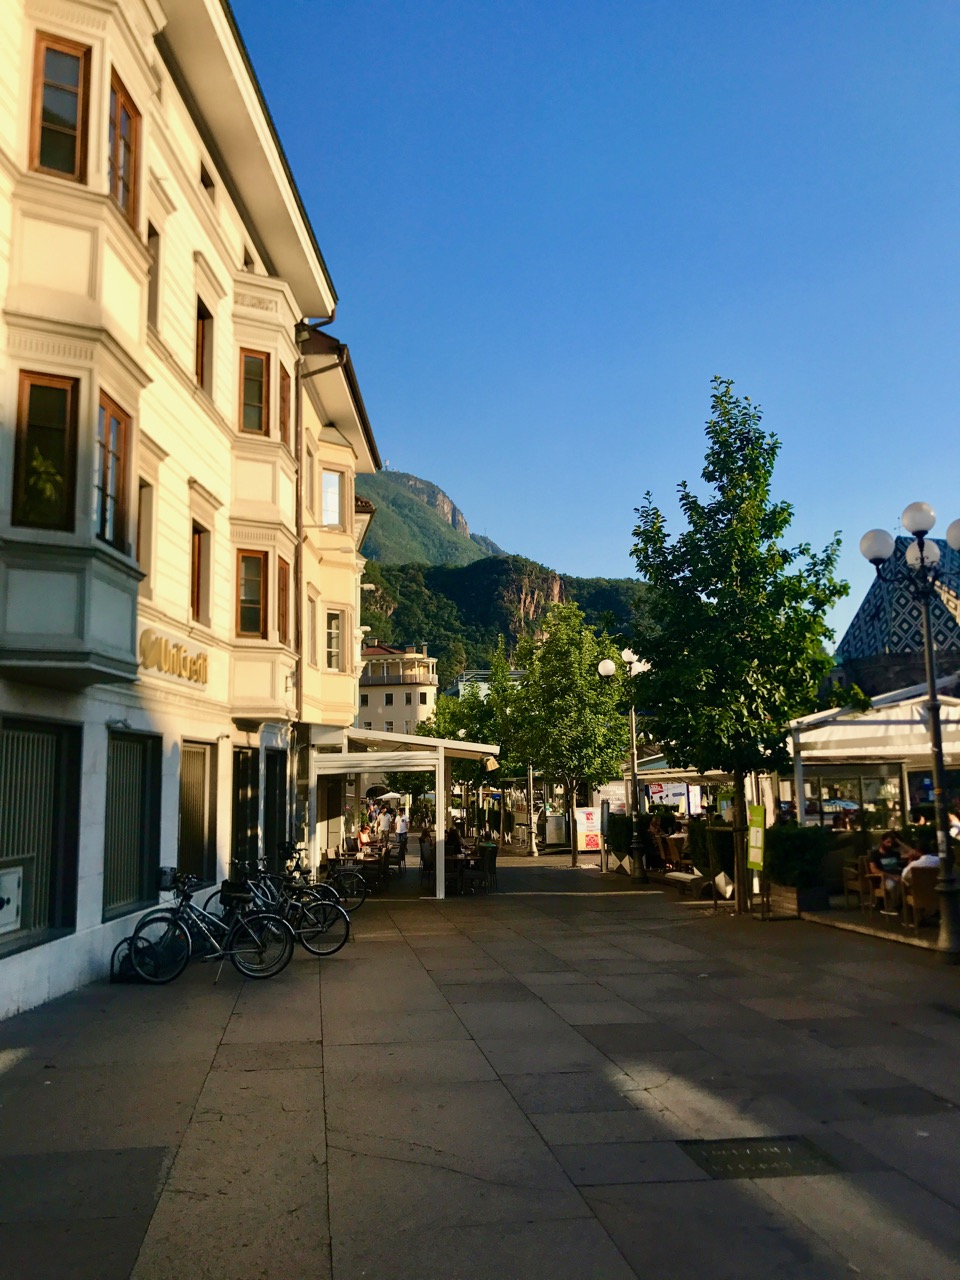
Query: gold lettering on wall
172	659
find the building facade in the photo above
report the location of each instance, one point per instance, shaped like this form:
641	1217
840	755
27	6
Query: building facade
398	688
179	552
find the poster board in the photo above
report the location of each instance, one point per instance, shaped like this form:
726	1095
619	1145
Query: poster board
756	829
589	838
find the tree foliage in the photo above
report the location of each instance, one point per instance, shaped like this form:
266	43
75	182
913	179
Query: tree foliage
566	719
735	629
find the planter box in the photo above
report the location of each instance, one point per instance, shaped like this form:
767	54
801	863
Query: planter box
787	901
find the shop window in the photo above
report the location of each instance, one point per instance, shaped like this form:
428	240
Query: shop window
334	646
246	804
39	826
204	347
131	849
284	406
124	148
254	392
252	594
110	517
283	601
331	487
45	453
61	92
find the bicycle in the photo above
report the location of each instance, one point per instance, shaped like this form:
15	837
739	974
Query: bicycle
258	944
347	882
314	912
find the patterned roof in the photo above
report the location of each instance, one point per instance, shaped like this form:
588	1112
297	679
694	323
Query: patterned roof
889	620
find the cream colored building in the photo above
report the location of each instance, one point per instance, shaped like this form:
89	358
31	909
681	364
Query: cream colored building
398	687
179	548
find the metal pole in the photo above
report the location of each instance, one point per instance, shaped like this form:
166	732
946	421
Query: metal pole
531	816
948	943
638	870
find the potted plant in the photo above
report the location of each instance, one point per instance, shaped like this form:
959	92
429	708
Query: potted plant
793	866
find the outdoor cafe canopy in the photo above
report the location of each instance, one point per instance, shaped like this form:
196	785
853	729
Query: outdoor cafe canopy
337	751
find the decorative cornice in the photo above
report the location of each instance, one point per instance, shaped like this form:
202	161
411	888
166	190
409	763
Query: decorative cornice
204	494
63	14
206	272
157	185
255	302
156	452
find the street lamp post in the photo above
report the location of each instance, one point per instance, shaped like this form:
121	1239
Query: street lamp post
923	557
607	667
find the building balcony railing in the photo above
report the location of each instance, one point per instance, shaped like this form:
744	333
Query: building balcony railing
367	678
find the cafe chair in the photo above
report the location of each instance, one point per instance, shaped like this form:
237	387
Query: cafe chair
921	901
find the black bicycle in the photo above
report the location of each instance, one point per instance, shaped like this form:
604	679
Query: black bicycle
258	944
347	882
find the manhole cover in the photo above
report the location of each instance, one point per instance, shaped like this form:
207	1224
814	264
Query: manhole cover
759	1157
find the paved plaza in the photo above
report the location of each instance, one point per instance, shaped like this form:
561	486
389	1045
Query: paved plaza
556	1081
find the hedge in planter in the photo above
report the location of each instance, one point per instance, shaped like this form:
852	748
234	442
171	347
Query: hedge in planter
793	858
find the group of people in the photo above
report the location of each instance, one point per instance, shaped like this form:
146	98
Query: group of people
895	860
381	825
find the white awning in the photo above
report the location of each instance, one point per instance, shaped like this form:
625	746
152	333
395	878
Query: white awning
896	728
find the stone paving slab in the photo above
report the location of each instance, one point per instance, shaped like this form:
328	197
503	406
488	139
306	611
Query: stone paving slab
494	1087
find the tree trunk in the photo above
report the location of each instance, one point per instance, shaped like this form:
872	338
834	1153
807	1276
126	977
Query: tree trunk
503	812
570	788
741	891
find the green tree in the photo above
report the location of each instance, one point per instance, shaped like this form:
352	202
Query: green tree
566	719
736	626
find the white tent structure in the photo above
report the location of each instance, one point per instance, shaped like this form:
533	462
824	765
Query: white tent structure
894	731
355	751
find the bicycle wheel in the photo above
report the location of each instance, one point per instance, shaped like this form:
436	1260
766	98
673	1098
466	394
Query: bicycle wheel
160	948
259	945
323	927
323	892
212	905
352	889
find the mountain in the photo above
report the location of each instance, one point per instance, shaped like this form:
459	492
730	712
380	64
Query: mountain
416	523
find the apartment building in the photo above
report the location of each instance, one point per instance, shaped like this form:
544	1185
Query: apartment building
398	687
179	545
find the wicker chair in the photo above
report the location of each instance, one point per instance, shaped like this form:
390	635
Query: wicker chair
920	898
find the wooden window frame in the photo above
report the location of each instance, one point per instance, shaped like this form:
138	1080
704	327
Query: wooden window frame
264	428
284	408
283	601
120	98
341	632
204	347
119	490
340	522
264	557
29	379
45	41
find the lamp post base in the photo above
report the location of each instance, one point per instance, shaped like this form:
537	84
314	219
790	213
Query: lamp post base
637	868
948	941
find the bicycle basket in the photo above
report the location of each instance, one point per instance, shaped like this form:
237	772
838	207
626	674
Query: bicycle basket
234	892
167	879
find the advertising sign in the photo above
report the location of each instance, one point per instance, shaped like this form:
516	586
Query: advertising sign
588	829
756	826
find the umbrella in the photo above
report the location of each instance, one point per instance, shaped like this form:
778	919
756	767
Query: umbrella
390	795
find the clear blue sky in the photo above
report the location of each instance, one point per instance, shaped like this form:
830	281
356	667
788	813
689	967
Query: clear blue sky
551	223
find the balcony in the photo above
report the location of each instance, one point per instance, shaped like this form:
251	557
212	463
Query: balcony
68	614
407	678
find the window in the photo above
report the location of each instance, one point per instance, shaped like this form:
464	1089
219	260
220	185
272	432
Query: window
368	724
124	145
423	699
330	486
204	369
408	699
153	275
311	631
200	574
388	726
309	470
145	497
284	406
131	846
364	699
111	475
45	453
406	726
61	88
334	641
254	392
283	601
252	594
206	181
388	699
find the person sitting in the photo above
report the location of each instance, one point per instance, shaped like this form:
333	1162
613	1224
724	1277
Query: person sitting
454	847
887	860
918	859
